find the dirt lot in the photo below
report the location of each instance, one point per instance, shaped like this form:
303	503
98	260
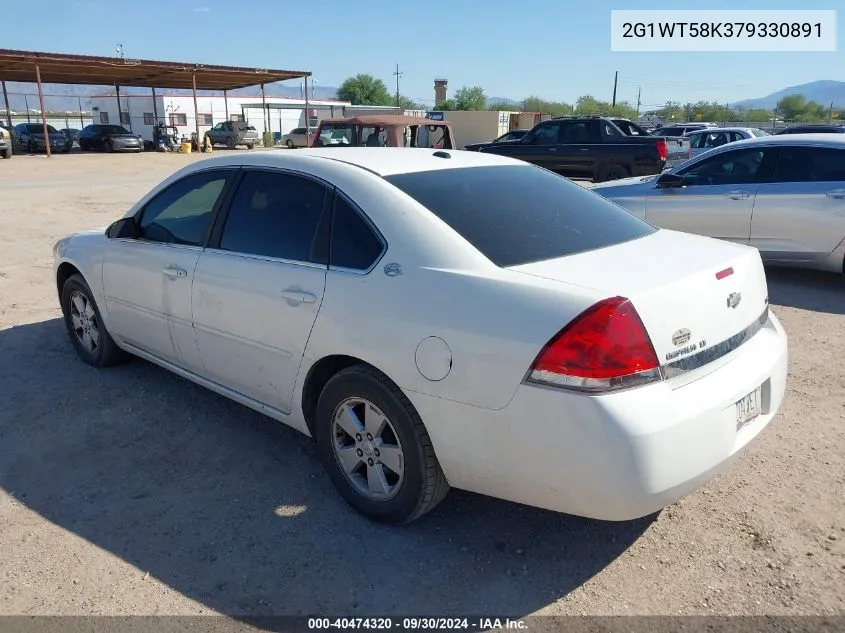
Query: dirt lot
130	491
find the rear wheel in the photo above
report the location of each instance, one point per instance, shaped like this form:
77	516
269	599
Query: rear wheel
612	172
88	333
376	448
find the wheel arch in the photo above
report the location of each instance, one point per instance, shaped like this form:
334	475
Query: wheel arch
318	376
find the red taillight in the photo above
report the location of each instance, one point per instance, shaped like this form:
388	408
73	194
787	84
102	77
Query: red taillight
604	348
662	149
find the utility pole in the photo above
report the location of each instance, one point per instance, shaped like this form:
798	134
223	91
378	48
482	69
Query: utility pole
639	94
615	80
398	74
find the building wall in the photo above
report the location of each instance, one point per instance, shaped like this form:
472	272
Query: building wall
179	110
479	126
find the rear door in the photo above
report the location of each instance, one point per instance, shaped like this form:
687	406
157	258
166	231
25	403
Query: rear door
800	215
259	285
718	199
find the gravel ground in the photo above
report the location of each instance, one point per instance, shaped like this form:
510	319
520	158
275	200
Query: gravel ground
131	491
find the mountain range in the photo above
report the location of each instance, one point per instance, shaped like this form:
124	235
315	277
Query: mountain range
59	97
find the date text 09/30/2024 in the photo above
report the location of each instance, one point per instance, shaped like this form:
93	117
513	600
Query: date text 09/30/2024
416	623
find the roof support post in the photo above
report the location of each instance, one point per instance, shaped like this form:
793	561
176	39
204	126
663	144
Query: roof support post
226	102
264	113
196	109
307	119
43	113
8	111
119	111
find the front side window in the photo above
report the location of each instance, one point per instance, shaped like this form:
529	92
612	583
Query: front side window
516	214
727	168
546	134
810	164
354	244
182	213
278	215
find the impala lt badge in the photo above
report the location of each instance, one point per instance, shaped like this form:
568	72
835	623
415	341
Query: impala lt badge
734	298
681	336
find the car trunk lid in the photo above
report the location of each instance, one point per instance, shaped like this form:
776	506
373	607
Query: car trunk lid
690	292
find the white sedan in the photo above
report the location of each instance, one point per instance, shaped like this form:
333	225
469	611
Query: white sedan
438	319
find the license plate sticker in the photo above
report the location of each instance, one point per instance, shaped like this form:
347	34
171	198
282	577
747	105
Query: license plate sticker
749	407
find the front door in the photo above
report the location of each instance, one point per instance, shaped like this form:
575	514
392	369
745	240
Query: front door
147	280
718	199
258	287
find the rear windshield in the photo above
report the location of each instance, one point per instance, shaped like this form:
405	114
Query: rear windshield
517	214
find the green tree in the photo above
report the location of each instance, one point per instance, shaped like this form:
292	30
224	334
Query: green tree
406	103
470	98
555	108
364	89
792	107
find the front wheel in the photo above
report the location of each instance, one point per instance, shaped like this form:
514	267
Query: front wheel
376	448
91	340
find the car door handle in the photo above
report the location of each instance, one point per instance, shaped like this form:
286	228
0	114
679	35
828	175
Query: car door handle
738	195
174	272
839	194
295	295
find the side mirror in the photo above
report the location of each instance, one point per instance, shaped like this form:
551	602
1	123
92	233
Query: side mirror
671	181
123	228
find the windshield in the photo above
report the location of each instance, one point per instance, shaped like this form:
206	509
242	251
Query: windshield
516	214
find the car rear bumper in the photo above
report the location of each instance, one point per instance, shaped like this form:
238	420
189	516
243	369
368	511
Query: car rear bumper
615	457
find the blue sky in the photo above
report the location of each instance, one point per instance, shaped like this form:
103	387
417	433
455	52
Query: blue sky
555	49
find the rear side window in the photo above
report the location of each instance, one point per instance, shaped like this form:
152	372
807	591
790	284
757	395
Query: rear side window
276	215
517	214
354	244
810	164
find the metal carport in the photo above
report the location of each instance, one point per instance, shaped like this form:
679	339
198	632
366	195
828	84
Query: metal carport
58	68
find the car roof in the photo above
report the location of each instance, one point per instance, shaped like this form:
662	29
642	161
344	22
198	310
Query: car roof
824	138
383	161
710	130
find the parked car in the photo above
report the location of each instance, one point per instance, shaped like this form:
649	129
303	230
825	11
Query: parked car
814	129
565	365
109	138
681	129
784	195
5	142
594	147
384	130
72	134
298	138
30	136
233	133
705	140
513	135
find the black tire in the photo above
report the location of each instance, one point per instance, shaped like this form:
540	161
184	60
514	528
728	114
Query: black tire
289	143
230	143
106	352
612	172
423	485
